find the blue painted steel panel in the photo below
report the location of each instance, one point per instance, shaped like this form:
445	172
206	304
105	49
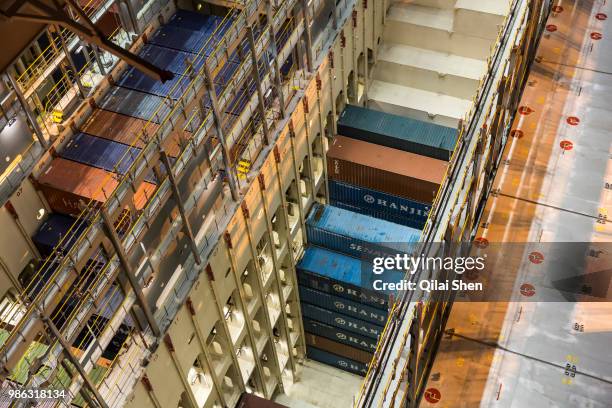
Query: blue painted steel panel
136	104
376	204
195	21
342	275
174	61
341	321
182	39
397	132
136	80
334	360
339	335
356	234
51	232
344	306
102	153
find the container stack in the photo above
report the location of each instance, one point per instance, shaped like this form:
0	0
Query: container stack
343	316
388	166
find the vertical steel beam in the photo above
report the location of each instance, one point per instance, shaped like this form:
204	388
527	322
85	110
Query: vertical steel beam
181	207
29	114
260	96
98	58
219	128
75	362
279	87
90	401
133	16
129	273
308	35
77	75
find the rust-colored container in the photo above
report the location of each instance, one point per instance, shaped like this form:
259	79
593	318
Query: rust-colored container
385	169
69	186
338	348
127	130
253	401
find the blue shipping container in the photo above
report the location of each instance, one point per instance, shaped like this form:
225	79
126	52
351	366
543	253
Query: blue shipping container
136	104
174	61
182	39
338	274
397	132
136	80
379	204
334	360
194	21
344	306
341	321
51	232
103	153
339	335
356	234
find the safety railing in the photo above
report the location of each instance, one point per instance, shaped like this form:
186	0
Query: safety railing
130	236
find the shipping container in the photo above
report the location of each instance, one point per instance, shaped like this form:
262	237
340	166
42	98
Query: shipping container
397	132
377	204
338	274
103	153
356	234
384	169
137	104
69	186
343	305
53	230
172	60
128	130
192	20
337	361
341	321
340	335
325	344
253	401
183	40
135	80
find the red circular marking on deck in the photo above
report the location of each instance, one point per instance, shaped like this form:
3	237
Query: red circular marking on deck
517	134
536	257
566	145
557	9
527	290
551	28
572	120
481	242
525	110
596	36
601	16
433	395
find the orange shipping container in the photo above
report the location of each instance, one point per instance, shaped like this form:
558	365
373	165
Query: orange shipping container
69	186
381	168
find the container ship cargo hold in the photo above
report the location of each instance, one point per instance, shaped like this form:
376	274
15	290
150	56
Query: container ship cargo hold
194	193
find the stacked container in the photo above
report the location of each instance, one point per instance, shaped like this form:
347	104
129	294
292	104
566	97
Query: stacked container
388	166
343	314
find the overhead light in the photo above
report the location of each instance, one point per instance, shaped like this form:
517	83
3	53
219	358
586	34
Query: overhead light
12	120
41	213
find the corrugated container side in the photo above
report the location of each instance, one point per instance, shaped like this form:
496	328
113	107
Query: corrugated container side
341	275
374	203
137	104
127	130
51	232
377	214
68	186
136	80
253	401
397	132
322	343
344	306
341	321
195	21
337	361
172	60
183	40
356	234
384	169
339	335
